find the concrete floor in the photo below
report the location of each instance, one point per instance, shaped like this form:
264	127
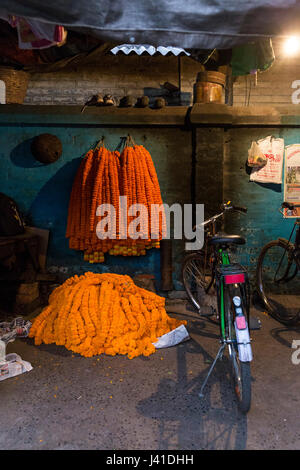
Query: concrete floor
113	403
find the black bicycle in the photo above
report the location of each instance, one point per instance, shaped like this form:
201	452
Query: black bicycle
211	266
277	275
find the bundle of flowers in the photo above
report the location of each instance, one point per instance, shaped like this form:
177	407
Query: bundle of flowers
103	313
102	178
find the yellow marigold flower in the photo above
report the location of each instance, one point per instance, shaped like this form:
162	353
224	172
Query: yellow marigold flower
106	313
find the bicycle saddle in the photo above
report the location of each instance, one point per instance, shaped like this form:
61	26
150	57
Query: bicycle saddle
224	239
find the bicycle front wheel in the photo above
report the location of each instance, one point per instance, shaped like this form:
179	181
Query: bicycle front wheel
196	276
278	282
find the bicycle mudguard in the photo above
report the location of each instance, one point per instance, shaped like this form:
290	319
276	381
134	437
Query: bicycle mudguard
243	339
285	242
242	331
236	274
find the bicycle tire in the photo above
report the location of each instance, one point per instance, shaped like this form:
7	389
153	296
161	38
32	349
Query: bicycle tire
192	265
244	402
240	371
276	310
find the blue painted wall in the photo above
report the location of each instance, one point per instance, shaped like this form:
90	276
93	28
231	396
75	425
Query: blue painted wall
263	222
42	191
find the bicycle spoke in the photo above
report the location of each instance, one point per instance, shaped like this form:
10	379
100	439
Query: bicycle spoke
196	275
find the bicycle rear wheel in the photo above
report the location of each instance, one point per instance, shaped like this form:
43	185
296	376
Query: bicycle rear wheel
196	276
241	371
278	282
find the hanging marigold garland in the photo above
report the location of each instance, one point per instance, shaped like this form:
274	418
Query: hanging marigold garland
103	313
103	176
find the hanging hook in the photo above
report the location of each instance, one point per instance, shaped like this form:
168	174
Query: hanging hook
129	140
122	143
100	143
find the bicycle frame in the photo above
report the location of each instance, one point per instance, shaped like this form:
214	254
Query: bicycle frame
233	300
220	257
224	260
212	222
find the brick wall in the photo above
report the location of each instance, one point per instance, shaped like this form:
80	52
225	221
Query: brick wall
138	75
209	168
273	86
117	75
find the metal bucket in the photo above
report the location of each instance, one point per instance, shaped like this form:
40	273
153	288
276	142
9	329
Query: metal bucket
209	87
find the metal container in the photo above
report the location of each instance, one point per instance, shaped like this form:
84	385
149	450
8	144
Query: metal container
209	87
16	83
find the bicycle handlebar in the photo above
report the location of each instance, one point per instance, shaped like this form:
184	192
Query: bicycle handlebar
224	207
240	209
288	205
228	206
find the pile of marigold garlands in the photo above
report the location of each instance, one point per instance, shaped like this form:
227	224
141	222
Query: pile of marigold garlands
103	176
103	313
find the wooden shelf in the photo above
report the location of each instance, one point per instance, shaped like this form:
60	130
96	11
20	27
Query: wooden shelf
196	115
99	116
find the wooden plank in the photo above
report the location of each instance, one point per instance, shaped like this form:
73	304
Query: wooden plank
211	114
51	114
200	114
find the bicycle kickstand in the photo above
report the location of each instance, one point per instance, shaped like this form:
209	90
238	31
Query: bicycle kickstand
219	354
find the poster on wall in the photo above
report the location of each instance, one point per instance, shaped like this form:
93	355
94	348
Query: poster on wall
292	179
273	150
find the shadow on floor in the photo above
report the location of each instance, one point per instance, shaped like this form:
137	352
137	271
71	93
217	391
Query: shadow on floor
187	422
278	334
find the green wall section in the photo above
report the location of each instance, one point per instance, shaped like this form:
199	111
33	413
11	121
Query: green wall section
206	162
263	222
42	191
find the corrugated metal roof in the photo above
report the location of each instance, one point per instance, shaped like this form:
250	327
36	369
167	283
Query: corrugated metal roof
145	48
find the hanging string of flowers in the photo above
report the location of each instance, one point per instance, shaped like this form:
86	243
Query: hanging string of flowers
102	177
103	313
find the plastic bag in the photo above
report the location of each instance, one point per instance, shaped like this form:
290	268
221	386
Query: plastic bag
273	150
256	159
12	366
17	328
172	338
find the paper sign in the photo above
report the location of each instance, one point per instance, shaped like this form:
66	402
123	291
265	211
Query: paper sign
292	179
273	150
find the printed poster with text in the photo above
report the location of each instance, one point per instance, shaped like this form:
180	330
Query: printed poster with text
292	179
273	149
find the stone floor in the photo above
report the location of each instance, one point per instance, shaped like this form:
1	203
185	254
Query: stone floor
113	403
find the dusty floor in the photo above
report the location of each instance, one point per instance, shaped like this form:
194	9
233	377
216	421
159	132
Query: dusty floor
70	402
